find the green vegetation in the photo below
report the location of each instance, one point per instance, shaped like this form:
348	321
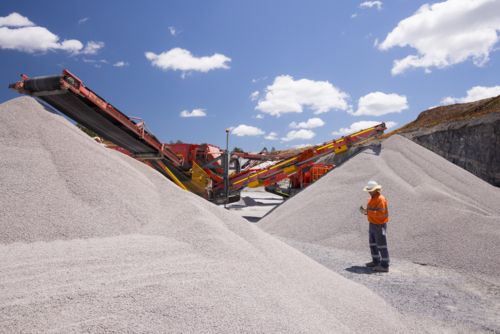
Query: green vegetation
87	131
238	150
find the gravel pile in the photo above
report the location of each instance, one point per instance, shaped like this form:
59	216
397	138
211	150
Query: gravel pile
439	213
94	241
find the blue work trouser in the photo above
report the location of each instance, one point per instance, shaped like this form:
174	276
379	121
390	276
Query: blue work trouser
378	244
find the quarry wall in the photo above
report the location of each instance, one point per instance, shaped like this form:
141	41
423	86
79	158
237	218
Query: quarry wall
471	143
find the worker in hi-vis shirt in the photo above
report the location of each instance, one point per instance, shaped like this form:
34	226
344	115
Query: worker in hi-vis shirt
378	216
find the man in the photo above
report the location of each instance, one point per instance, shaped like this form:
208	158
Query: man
378	216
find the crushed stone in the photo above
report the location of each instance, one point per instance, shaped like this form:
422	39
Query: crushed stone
439	214
95	241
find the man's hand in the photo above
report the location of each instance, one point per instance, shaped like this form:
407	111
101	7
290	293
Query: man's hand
362	210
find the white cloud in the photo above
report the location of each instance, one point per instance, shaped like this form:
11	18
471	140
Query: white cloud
258	116
301	145
354	15
29	38
474	94
254	96
174	31
447	33
180	59
95	61
32	39
120	64
310	124
272	136
255	80
301	134
378	104
83	20
362	125
92	47
286	95
194	113
246	130
15	20
183	75
371	4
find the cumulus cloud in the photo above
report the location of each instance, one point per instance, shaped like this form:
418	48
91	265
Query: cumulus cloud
258	116
194	113
180	59
15	20
30	38
254	96
362	125
120	64
246	130
354	15
92	47
301	134
83	20
272	136
310	124
370	4
474	94
286	95
378	104
446	33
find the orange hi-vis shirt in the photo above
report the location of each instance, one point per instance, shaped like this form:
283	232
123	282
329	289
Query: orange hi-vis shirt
377	210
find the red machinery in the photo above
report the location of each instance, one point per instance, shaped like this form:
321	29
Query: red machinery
202	169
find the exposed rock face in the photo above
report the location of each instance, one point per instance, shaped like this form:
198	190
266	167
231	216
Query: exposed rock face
471	143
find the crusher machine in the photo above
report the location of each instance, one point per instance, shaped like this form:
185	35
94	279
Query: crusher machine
205	170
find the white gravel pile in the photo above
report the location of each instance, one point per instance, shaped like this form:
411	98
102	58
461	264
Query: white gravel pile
439	213
94	241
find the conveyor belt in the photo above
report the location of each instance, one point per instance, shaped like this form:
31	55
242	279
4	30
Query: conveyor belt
72	106
85	112
78	109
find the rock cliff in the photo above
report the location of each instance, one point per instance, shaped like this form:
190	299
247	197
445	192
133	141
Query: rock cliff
471	143
466	134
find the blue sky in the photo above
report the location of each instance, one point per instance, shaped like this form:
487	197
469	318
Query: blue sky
277	73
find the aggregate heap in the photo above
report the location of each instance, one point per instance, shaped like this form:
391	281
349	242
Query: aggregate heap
95	241
439	214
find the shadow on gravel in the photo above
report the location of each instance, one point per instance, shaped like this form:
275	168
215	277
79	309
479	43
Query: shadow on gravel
360	270
252	219
264	204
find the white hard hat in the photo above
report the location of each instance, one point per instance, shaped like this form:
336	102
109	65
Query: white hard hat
371	186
